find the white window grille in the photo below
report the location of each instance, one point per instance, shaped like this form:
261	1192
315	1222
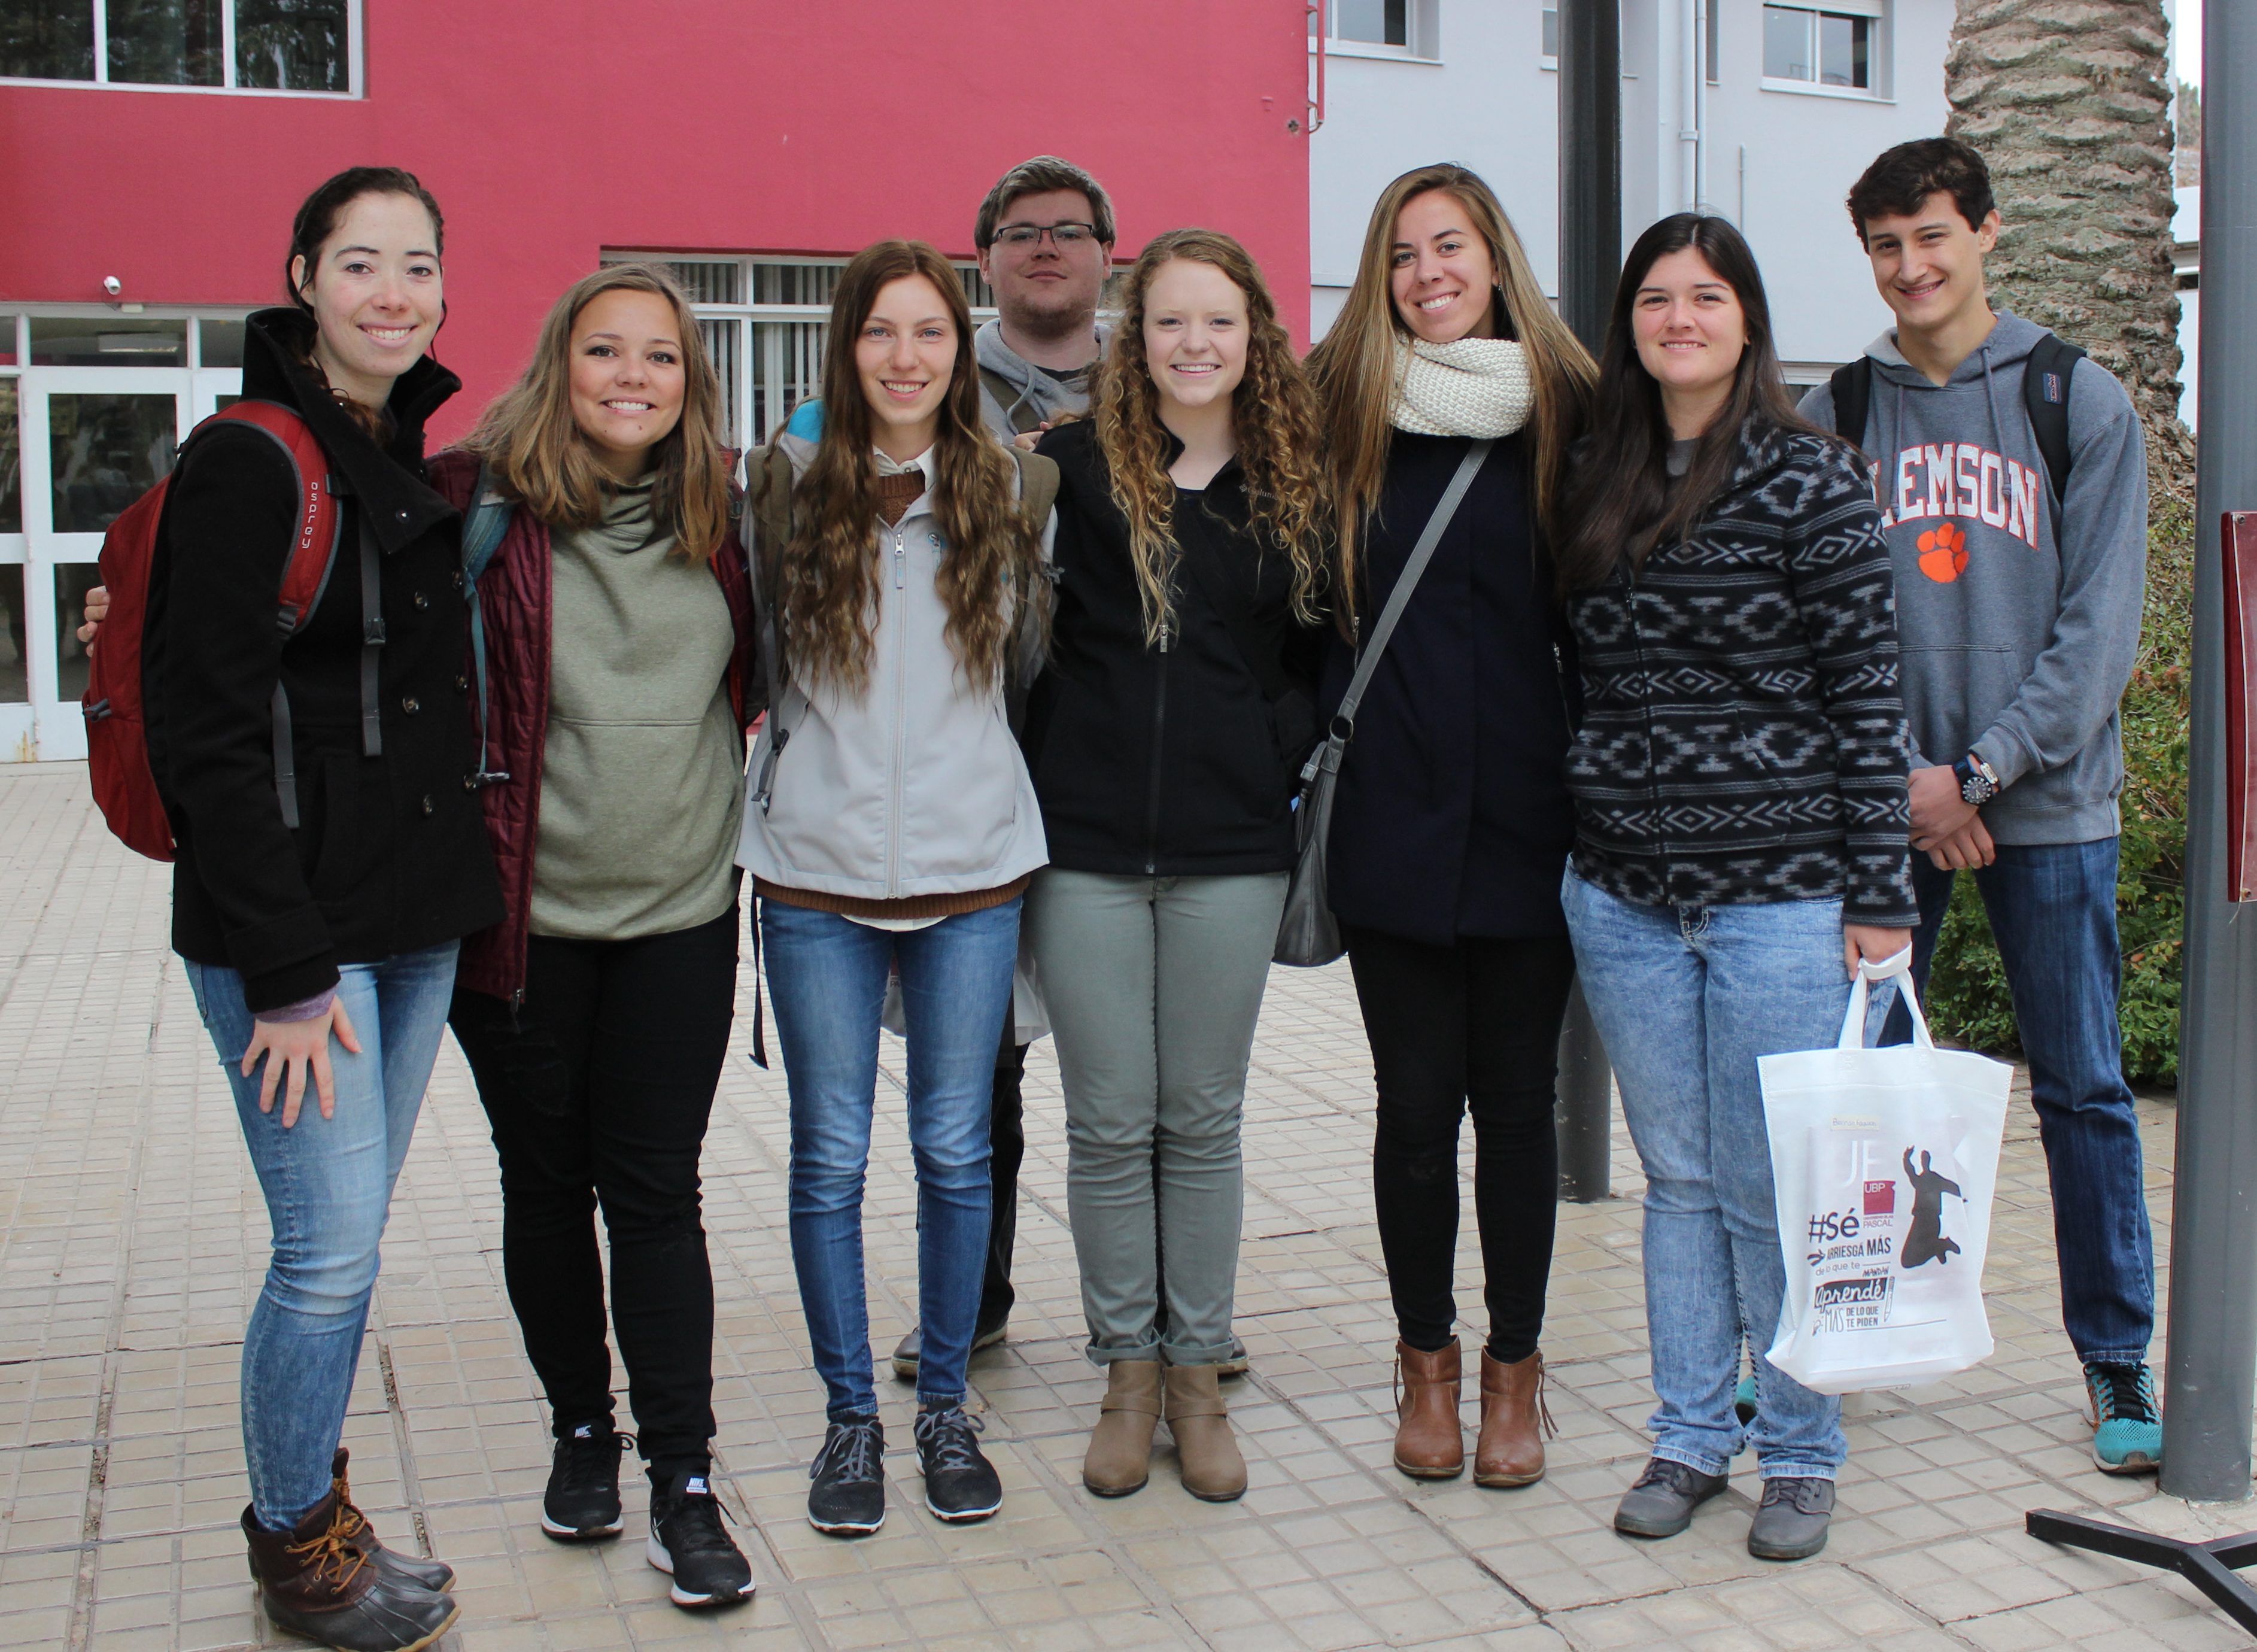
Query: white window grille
764	320
301	46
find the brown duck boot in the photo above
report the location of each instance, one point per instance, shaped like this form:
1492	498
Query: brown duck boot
1120	1457
1514	1421
435	1575
317	1582
1429	1443
1214	1470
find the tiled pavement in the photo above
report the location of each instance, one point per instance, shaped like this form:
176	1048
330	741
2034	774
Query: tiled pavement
132	1240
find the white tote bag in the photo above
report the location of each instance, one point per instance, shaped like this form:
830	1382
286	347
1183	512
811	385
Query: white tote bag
1884	1162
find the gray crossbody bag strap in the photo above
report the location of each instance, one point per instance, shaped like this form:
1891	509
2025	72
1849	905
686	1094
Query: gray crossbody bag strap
1307	932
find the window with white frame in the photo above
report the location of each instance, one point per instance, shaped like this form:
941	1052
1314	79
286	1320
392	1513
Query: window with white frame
1379	28
1838	47
272	45
764	322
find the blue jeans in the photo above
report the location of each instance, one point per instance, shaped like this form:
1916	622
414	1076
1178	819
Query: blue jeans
1685	998
2053	913
327	1183
827	981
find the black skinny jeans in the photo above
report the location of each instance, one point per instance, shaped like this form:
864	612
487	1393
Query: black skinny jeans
598	1088
1007	1149
1472	1027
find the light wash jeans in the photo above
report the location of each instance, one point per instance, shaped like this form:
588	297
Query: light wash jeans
1153	986
1685	998
827	981
329	1185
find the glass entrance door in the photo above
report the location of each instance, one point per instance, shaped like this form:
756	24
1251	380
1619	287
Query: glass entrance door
95	439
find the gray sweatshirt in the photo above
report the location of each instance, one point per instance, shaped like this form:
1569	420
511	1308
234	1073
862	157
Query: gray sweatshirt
1015	395
641	786
2018	614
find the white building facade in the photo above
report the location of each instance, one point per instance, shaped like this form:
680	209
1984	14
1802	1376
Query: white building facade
1764	113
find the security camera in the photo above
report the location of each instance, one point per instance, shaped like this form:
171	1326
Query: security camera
112	286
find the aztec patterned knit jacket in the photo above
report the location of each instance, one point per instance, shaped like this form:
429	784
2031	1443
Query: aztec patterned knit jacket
1742	737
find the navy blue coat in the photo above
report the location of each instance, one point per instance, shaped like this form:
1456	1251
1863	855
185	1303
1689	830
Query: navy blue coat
1453	817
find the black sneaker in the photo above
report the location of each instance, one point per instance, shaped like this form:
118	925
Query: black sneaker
688	1543
848	1498
1661	1502
583	1486
959	1484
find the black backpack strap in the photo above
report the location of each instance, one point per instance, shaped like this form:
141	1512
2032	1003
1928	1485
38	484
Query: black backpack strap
2046	379
1852	386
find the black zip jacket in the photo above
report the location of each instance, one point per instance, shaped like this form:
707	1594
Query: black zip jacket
1452	817
1168	759
1743	739
389	855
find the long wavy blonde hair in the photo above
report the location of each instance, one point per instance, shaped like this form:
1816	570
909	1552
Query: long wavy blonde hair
1275	422
534	448
827	578
1354	368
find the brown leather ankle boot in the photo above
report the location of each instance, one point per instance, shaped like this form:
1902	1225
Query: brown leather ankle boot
316	1581
1120	1457
1429	1443
1213	1470
435	1575
1514	1420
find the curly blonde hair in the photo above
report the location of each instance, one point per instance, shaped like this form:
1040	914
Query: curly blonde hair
828	579
1276	424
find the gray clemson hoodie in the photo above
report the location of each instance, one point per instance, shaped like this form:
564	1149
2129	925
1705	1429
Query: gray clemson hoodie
2018	614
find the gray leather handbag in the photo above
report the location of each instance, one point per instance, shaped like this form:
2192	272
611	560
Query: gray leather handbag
1307	932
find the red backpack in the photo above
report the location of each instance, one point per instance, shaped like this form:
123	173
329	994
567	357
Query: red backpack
116	736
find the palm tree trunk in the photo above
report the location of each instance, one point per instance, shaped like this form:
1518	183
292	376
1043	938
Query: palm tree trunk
2069	101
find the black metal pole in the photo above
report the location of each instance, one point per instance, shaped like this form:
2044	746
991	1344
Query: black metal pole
2211	1366
1590	259
1590	164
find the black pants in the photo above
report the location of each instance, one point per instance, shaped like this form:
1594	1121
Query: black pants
1007	1147
598	1088
1469	1027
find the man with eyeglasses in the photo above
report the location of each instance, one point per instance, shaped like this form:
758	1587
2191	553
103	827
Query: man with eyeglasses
1045	237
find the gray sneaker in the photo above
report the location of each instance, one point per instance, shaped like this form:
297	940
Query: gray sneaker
1661	1502
1791	1524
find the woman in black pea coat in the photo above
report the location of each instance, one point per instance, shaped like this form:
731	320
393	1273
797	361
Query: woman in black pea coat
320	951
1452	821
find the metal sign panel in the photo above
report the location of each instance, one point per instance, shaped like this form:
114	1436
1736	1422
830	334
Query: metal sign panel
2237	546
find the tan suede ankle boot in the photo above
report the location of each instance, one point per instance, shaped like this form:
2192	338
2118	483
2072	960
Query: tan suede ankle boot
1120	1457
1514	1420
1214	1470
1429	1443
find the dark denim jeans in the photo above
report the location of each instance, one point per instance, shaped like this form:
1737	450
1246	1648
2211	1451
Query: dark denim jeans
827	981
2053	910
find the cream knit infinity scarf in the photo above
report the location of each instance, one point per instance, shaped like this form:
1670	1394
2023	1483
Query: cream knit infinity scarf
1474	387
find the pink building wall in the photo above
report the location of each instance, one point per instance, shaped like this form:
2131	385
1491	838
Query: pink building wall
551	130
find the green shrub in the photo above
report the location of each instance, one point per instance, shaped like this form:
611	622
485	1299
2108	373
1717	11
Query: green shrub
1968	1000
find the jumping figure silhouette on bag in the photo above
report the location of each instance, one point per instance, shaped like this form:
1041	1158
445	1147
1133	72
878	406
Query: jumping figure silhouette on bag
1925	1241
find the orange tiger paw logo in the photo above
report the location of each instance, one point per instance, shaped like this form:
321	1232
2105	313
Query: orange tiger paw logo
1944	553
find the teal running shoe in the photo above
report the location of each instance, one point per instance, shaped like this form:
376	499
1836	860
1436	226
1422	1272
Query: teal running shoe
2127	1425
